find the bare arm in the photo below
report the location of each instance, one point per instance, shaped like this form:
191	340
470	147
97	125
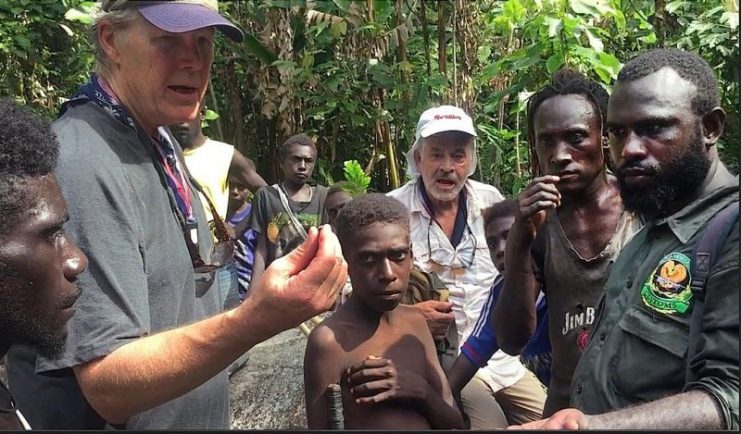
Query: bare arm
322	367
242	170
514	317
440	409
258	266
153	370
461	373
694	410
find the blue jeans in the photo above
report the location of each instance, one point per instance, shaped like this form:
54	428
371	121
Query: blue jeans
228	285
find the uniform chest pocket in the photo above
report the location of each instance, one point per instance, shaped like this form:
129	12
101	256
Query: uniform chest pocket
650	360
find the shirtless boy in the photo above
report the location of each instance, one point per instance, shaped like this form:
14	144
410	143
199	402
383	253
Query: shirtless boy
380	353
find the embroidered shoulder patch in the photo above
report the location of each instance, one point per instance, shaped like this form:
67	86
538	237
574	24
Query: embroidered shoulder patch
668	290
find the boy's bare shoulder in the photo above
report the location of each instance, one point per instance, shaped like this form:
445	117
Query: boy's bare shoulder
328	333
411	315
323	335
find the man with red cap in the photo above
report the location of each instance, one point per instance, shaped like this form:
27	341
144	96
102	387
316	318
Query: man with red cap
149	343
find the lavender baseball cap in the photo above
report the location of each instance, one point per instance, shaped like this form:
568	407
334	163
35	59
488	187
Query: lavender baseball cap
179	16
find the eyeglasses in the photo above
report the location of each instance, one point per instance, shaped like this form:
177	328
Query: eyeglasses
464	254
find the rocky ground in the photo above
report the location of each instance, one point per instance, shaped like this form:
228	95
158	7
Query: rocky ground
268	392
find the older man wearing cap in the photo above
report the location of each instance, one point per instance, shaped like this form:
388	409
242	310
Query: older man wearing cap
148	345
448	239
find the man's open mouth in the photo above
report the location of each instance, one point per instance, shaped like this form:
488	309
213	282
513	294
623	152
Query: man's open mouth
186	90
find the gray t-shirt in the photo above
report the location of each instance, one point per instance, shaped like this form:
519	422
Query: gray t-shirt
572	286
139	281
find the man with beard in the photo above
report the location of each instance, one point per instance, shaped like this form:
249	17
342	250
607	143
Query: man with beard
639	370
448	239
556	242
39	263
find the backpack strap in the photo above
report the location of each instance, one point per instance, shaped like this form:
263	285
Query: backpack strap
705	253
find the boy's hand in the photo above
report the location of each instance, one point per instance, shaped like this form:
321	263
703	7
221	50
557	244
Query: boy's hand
375	380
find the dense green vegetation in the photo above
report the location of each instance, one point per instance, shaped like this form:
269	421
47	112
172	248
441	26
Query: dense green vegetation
357	74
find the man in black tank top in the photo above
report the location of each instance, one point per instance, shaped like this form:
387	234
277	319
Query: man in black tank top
39	263
570	225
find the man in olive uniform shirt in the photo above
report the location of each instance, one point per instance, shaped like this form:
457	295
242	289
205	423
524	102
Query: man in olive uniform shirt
664	120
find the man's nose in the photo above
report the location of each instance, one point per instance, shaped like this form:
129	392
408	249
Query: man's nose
633	147
75	262
561	154
447	164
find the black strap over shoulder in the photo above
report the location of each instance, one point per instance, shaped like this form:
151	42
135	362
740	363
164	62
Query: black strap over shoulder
705	253
708	247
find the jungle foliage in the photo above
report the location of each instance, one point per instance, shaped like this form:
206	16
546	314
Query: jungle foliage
356	74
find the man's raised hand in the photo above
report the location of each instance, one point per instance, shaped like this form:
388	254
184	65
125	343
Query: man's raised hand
438	314
303	283
538	197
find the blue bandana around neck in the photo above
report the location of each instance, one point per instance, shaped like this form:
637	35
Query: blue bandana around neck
93	91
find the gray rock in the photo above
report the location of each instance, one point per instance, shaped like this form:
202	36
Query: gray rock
268	392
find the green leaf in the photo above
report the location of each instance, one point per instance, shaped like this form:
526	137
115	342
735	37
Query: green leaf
490	71
584	7
66	29
732	18
79	16
338	28
648	39
259	50
594	41
554	62
210	115
514	10
22	41
554	26
356	177
610	63
673	7
484	51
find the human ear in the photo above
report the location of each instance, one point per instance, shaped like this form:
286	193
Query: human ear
107	41
713	123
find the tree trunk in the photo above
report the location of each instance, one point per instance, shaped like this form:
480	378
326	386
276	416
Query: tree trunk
211	92
235	109
442	54
426	40
659	21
